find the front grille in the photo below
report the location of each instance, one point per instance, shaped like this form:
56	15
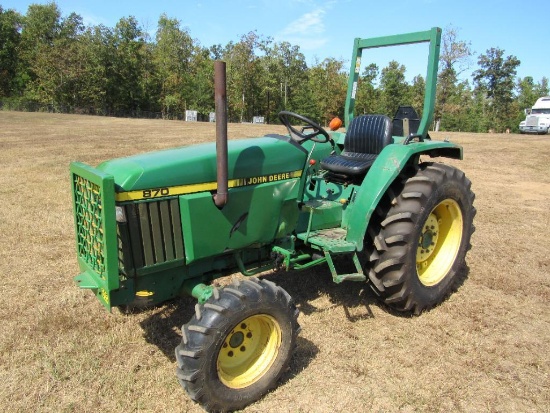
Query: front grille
532	121
90	232
152	235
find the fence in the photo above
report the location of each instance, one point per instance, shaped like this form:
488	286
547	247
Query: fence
25	106
189	115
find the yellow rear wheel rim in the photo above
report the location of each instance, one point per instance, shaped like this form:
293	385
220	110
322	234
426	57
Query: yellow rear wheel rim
249	351
439	242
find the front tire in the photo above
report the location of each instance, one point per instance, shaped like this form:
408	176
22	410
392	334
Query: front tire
419	239
237	345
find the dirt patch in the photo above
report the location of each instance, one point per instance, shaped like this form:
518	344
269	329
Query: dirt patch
484	349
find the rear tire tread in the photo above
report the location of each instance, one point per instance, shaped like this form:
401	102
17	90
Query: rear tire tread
393	275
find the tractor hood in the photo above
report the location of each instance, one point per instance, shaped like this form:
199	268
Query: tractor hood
250	159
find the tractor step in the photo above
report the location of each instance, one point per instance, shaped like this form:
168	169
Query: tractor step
318	205
331	239
350	277
338	278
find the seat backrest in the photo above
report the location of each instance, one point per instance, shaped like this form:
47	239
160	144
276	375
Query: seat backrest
368	134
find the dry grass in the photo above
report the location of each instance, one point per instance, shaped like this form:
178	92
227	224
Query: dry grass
484	349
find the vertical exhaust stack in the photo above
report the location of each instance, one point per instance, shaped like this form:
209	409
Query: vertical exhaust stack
221	197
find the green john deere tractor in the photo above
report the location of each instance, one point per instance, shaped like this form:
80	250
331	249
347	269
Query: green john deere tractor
151	227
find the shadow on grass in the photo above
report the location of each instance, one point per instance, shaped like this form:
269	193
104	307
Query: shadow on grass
305	352
306	286
162	327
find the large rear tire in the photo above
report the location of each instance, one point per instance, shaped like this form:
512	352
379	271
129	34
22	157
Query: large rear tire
419	238
237	345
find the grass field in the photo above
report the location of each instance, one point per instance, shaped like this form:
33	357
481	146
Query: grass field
485	349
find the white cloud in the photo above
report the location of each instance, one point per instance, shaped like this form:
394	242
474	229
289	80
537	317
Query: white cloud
307	25
306	31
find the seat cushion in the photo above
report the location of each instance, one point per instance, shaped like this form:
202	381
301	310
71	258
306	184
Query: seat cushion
349	163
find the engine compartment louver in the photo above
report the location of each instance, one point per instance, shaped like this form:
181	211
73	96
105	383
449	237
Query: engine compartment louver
151	235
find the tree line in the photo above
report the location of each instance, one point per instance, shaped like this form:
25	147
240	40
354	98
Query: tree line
50	59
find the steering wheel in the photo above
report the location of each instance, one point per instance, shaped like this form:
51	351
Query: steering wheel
300	136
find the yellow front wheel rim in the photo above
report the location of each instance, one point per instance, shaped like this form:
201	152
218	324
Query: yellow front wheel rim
439	242
249	351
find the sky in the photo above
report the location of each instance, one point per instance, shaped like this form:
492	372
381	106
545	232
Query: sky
327	28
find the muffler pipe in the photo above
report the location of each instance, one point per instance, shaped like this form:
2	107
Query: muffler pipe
220	97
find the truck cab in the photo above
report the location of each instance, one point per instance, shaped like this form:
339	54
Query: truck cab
537	118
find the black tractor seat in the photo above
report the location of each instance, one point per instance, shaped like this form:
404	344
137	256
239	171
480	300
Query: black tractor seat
365	138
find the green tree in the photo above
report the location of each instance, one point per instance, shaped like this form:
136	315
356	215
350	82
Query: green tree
272	95
394	88
244	77
416	94
527	95
10	26
285	79
58	66
201	81
459	108
95	54
304	101
455	58
367	99
172	57
495	79
125	55
477	117
541	88
41	27
328	84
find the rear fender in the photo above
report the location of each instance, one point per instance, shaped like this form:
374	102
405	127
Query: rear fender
388	165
